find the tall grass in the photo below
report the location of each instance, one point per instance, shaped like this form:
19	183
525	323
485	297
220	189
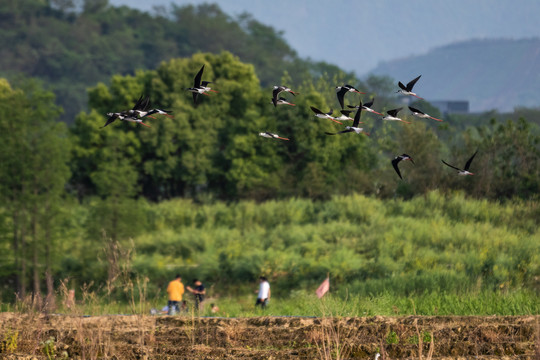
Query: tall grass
431	247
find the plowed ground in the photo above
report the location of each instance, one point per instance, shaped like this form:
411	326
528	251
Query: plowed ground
171	337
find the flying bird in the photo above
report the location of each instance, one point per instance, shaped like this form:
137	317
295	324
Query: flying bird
465	170
407	90
206	88
392	116
139	109
342	90
354	127
344	115
279	89
271	136
367	107
328	115
421	114
123	117
197	88
281	101
159	112
396	161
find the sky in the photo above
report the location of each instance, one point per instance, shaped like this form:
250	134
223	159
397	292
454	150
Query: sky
356	34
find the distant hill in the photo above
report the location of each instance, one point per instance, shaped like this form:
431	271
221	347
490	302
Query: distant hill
492	74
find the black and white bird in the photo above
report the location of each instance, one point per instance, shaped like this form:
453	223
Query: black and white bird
206	88
282	101
344	115
421	114
396	161
342	90
271	136
392	116
279	89
167	113
367	107
322	115
197	89
123	117
407	90
354	127
465	170
140	108
133	115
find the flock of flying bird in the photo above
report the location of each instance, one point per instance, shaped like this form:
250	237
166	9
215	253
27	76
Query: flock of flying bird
142	110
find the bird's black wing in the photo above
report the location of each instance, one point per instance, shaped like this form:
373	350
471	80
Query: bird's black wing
401	86
415	110
198	77
317	111
275	94
411	83
204	83
468	164
138	103
111	119
394	164
368	104
452	166
352	106
339	132
195	95
145	104
357	116
346	112
341	94
330	112
394	112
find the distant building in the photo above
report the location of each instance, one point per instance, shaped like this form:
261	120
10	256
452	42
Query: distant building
451	106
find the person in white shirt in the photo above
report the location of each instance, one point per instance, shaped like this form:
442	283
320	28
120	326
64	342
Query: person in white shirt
263	292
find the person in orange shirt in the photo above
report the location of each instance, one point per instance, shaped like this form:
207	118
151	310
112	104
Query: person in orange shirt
175	291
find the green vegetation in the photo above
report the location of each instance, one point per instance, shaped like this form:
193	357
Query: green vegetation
71	45
114	213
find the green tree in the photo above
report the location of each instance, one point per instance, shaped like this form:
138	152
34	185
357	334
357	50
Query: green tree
34	156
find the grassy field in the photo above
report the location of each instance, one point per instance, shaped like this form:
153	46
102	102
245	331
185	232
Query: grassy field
439	254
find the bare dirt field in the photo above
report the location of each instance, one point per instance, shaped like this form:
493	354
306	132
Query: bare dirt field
37	336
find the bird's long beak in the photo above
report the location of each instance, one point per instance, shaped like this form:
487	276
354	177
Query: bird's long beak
411	161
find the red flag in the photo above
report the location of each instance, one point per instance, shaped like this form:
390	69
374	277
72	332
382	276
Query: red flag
323	288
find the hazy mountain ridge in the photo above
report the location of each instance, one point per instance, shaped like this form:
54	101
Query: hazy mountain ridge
491	73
